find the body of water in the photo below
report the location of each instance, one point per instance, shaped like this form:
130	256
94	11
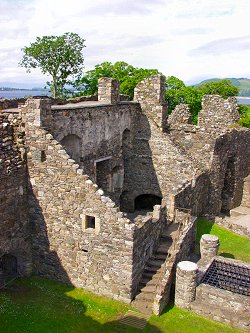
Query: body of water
23	93
243	100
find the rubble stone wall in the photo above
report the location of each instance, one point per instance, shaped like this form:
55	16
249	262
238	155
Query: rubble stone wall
67	246
100	130
218	112
15	233
222	305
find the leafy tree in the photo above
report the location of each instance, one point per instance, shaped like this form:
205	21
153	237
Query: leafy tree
128	76
223	88
57	56
177	92
244	111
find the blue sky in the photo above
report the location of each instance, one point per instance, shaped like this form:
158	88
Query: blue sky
190	39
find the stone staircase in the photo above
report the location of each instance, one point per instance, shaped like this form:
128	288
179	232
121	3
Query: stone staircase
152	271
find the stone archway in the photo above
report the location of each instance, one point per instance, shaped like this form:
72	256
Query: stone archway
72	145
147	202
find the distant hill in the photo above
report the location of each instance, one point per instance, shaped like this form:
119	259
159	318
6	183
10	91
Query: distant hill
242	83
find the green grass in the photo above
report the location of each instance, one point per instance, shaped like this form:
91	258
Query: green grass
231	245
36	305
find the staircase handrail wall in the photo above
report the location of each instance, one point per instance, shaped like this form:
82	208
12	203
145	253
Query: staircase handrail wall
185	229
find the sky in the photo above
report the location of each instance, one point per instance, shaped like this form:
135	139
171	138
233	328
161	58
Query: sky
190	39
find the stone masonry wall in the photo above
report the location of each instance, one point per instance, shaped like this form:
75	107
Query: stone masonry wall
222	151
246	192
222	305
100	131
218	112
229	166
150	93
15	233
156	165
63	202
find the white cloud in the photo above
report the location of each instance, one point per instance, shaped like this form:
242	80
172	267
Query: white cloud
186	38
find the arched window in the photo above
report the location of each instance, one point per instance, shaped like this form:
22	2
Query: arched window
72	145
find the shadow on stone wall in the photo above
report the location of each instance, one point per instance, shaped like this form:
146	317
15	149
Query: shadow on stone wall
140	177
46	262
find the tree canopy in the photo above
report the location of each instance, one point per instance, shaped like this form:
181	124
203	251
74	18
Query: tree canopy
128	76
177	92
58	56
223	88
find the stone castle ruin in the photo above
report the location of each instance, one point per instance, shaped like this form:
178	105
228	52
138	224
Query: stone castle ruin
103	193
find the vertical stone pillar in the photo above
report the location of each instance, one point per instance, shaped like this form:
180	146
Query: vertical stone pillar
150	93
36	112
185	287
209	245
108	90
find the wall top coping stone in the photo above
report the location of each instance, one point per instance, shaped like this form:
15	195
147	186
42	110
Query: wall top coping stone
187	266
89	104
210	238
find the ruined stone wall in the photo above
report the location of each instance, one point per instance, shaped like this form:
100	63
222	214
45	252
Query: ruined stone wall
218	112
222	305
100	131
216	152
150	93
12	103
157	166
222	152
194	195
246	192
79	235
229	167
15	233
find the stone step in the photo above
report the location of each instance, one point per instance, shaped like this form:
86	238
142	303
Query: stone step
146	297
155	262
160	256
171	230
149	288
239	211
163	248
142	306
153	269
146	280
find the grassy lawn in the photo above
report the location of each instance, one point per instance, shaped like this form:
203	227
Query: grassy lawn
231	245
36	305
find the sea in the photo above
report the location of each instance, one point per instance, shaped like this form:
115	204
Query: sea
24	93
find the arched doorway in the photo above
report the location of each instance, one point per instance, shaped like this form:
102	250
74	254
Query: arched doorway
228	189
147	202
8	265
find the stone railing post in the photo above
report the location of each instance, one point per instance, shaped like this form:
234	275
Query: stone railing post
108	90
186	281
209	245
